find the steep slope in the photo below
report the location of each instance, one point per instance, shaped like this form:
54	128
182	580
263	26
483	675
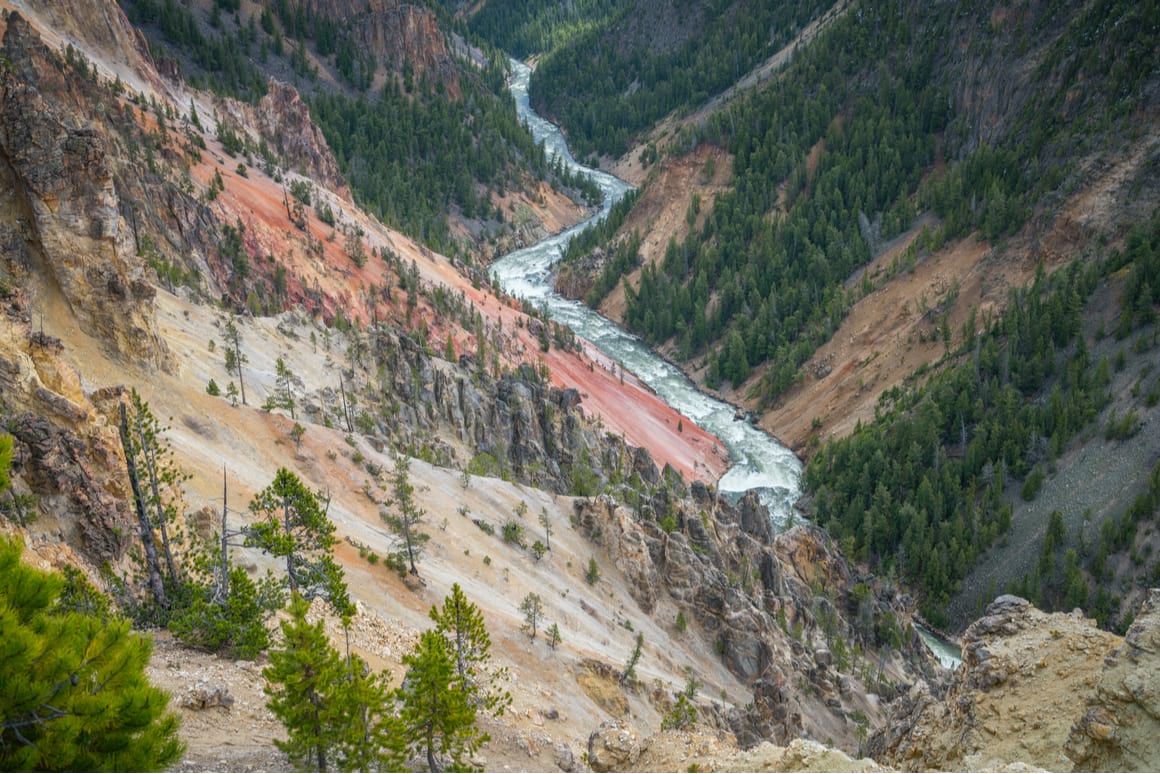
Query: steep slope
872	229
652	57
220	244
383	81
176	207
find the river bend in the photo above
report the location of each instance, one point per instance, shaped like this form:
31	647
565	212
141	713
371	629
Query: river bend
758	461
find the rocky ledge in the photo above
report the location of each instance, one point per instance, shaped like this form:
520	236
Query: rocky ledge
822	645
1043	689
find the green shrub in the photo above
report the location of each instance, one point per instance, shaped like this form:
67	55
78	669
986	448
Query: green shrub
513	533
1032	484
593	573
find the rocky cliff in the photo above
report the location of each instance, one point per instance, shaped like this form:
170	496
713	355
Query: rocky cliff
517	426
819	642
1119	729
1046	690
68	457
398	35
100	26
282	121
617	747
62	215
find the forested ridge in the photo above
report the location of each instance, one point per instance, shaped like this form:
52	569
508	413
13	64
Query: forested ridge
608	84
414	153
413	158
925	489
761	285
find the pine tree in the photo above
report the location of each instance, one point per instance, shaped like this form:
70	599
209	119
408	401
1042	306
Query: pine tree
547	524
233	625
628	676
554	638
163	478
592	574
335	712
284	395
532	607
407	515
235	358
144	527
438	718
224	610
292	524
73	691
461	622
296	434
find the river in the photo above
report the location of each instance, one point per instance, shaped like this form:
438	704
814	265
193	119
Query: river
758	461
948	654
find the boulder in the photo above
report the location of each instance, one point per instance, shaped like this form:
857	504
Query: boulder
613	746
1119	729
203	695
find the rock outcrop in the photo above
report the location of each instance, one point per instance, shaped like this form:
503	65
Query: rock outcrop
517	426
282	120
697	751
785	614
613	746
1120	728
398	34
62	212
1025	678
101	26
66	453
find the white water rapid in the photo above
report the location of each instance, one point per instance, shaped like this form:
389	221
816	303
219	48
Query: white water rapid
758	461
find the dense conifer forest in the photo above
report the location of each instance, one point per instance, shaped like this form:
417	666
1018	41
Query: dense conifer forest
761	285
617	79
921	489
413	153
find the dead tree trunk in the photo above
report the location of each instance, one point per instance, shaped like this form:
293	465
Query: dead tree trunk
152	563
223	589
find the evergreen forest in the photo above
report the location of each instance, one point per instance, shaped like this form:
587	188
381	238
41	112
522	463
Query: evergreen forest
415	153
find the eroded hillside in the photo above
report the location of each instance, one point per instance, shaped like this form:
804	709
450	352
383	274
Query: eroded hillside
137	241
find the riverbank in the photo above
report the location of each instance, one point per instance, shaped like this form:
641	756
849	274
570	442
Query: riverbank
759	462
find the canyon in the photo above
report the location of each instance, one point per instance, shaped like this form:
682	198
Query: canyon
120	271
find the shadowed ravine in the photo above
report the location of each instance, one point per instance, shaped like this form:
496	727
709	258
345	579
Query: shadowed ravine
759	462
